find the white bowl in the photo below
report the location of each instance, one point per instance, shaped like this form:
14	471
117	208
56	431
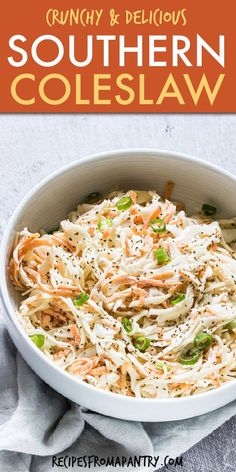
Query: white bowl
50	201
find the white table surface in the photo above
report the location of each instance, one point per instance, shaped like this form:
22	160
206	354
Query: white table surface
31	146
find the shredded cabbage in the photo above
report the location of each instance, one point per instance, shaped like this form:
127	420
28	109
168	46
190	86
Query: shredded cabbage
113	270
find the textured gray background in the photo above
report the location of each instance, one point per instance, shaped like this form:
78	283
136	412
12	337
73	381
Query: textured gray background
34	145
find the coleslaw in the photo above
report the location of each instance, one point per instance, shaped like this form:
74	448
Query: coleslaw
132	295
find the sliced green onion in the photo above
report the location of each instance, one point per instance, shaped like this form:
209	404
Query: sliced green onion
81	299
208	210
161	255
158	225
178	299
38	340
190	357
127	324
104	224
231	326
124	203
93	197
161	365
202	340
142	343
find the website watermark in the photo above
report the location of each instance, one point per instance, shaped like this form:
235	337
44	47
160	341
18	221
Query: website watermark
89	462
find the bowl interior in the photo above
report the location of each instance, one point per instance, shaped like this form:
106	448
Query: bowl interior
195	183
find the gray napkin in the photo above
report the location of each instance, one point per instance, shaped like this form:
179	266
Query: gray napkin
36	423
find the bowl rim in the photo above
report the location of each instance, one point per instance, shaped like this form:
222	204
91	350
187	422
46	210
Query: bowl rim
10	311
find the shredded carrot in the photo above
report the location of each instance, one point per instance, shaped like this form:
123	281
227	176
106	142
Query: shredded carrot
91	230
201	272
138	220
75	332
127	248
155	214
29	245
168	218
178	385
123	372
98	370
163	276
168	190
63	291
133	211
112	213
106	234
62	241
82	366
61	353
154	283
214	247
133	196
176	287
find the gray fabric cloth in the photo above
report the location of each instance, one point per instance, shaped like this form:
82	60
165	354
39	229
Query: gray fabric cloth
37	423
216	453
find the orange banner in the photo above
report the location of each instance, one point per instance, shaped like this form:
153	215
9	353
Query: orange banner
114	56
